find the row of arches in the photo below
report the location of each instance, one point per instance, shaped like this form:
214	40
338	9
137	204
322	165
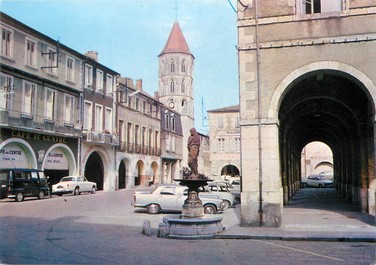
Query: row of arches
58	160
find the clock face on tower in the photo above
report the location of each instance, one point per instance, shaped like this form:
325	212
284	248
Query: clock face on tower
171	105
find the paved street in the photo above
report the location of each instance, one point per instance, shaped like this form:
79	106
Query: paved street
104	229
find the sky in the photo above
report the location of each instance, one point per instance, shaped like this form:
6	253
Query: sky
130	34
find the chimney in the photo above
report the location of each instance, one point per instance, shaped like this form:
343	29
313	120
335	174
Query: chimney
139	84
92	55
156	95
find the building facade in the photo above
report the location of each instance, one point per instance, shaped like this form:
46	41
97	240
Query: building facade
171	145
65	113
138	119
176	64
40	98
99	139
224	128
306	73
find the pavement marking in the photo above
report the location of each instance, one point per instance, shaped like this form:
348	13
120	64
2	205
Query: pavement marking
299	250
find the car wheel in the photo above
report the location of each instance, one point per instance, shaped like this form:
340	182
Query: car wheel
153	209
210	209
60	195
76	191
93	190
19	197
226	205
41	194
320	186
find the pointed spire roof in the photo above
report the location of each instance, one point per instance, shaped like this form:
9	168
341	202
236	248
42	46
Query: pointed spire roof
176	42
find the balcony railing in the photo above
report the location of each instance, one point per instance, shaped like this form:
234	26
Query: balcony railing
40	124
138	149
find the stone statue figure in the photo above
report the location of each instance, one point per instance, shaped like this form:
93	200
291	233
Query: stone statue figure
193	150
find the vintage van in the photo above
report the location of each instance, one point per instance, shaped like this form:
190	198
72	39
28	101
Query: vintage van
19	183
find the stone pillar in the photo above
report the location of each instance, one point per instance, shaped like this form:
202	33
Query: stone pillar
364	200
269	211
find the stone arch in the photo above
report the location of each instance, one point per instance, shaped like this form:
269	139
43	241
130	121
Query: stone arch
31	159
103	166
72	166
294	76
123	173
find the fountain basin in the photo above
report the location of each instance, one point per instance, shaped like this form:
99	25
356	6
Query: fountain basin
176	226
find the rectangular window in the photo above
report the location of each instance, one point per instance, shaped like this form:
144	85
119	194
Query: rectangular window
221	144
150	138
31	52
98	118
70	69
29	92
129	133
109	85
321	6
173	122
167	121
88	76
50	104
99	83
220	122
108	120
156	139
6	91
69	109
136	132
137	104
88	118
6	43
143	136
51	61
143	106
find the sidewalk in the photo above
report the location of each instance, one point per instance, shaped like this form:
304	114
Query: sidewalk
313	215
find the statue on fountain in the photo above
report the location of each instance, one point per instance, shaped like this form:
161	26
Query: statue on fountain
193	151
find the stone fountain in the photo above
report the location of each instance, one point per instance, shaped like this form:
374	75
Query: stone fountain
193	223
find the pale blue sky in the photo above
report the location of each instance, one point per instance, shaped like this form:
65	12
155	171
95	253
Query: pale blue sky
130	34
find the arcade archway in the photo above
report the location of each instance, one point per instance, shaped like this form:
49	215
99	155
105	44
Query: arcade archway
94	170
332	107
230	170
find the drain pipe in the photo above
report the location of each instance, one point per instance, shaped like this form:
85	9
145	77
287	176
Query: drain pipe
260	211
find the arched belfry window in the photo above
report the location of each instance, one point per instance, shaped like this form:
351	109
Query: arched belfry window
172	65
182	86
172	86
183	66
184	106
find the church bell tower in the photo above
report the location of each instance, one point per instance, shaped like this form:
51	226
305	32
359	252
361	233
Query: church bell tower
176	81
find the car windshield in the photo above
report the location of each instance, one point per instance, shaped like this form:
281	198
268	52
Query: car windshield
67	179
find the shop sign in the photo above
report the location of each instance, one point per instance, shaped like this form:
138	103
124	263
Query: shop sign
36	136
12	156
56	159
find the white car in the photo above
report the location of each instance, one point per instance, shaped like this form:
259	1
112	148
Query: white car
74	185
221	190
317	181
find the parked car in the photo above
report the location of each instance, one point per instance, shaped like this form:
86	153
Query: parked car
317	181
220	190
74	185
171	198
19	183
233	184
